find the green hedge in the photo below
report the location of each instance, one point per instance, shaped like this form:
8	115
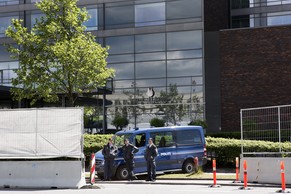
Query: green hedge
226	150
94	143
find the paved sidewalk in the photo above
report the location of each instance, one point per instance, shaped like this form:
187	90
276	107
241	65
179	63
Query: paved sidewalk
191	182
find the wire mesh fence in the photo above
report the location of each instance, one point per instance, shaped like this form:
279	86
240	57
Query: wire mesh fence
270	124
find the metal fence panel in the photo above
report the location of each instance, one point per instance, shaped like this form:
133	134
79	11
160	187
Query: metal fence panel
272	124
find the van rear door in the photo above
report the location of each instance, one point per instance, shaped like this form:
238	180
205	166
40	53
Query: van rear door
190	144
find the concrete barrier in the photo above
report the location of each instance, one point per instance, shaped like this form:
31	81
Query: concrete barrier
265	170
42	174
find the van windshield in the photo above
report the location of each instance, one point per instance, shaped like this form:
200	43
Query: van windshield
119	139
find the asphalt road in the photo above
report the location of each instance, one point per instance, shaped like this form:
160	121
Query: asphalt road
126	188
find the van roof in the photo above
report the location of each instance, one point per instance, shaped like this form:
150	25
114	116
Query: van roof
158	129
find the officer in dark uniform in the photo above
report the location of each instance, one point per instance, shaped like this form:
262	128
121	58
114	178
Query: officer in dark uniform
128	154
109	152
150	155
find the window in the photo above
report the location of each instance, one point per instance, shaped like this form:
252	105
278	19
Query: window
184	9
5	21
185	54
140	140
163	139
119	139
150	43
243	21
4	54
150	14
117	17
154	69
150	56
146	83
188	67
279	18
120	58
92	23
123	70
8	2
188	137
184	40
120	44
278	2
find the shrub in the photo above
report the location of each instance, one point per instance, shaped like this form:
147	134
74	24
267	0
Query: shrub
199	122
156	122
120	122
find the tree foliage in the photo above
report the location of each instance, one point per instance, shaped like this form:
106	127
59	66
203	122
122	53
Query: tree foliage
57	56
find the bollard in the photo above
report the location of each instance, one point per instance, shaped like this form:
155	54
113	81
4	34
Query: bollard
245	176
196	164
236	171
92	169
214	174
283	179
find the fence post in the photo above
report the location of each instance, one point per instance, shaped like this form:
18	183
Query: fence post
92	169
245	176
282	178
236	171
214	174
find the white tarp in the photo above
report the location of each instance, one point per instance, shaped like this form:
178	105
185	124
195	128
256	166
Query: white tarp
41	133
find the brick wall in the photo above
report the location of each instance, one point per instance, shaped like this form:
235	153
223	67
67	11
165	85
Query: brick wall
255	71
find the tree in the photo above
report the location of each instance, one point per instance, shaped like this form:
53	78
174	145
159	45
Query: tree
120	122
171	104
57	57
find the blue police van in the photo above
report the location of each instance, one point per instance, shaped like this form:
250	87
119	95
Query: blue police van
177	148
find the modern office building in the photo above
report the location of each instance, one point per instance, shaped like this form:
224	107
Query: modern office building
220	55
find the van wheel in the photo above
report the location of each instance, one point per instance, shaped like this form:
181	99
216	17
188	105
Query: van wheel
188	166
122	173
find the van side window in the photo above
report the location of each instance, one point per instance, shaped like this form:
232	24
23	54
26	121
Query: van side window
188	137
163	139
140	140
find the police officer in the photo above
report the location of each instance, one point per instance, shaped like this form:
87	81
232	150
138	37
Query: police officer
128	154
109	152
150	155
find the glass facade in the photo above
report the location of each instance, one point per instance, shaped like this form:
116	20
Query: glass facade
269	13
155	58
